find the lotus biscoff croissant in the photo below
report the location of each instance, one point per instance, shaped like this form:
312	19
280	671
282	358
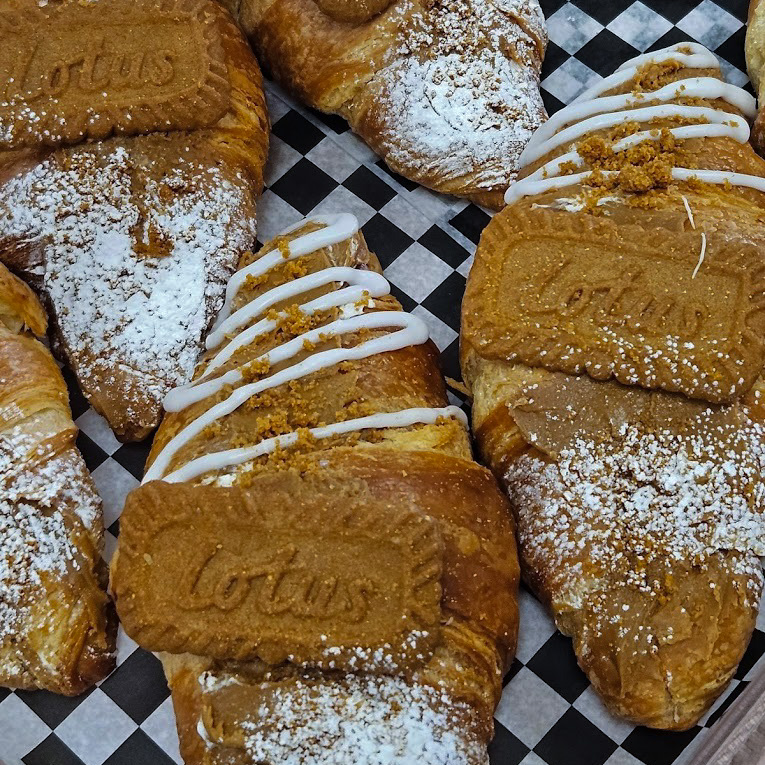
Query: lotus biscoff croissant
330	576
613	337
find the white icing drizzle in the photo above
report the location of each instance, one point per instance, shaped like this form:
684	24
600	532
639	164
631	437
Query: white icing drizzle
698	58
405	330
337	228
597	112
608	106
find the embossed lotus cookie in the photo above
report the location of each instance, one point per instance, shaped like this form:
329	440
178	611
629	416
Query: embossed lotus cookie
273	577
612	336
132	140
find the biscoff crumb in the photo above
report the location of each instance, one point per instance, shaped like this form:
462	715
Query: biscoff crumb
653	76
255	370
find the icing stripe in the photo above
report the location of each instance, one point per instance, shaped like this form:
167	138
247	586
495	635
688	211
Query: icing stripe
644	114
717	177
699	58
402	419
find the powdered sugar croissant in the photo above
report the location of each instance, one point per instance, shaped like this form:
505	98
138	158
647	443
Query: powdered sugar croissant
57	628
447	92
132	140
612	335
330	575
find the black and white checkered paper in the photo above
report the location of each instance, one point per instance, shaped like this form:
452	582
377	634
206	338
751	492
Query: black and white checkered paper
548	713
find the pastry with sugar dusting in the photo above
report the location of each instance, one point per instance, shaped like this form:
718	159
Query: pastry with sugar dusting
329	576
57	626
612	337
132	141
445	91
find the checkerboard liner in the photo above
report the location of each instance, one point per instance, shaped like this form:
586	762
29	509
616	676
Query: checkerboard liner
548	713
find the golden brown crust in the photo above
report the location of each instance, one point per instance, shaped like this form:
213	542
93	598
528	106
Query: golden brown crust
376	64
609	481
188	141
426	470
57	628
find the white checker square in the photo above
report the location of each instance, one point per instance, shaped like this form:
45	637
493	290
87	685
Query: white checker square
571	28
570	79
274	215
417	271
97	429
527	691
406	217
341	198
21	730
640	26
96	728
593	708
159	726
281	158
710	24
113	483
277	106
333	159
532	759
538	627
622	757
733	74
440	332
110	546
464	268
126	646
351	143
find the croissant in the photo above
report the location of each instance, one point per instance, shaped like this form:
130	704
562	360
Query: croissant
328	573
613	341
132	141
445	91
57	629
755	61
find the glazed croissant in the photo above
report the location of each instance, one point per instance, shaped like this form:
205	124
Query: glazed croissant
57	630
446	91
328	572
612	336
132	140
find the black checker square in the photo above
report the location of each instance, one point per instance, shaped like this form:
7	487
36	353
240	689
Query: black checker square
446	300
470	222
296	131
138	686
574	740
555	662
598	53
304	186
139	749
604	12
367	186
506	749
52	751
385	239
52	708
658	747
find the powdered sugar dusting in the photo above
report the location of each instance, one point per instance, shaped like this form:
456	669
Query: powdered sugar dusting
117	303
464	87
361	720
35	535
644	498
